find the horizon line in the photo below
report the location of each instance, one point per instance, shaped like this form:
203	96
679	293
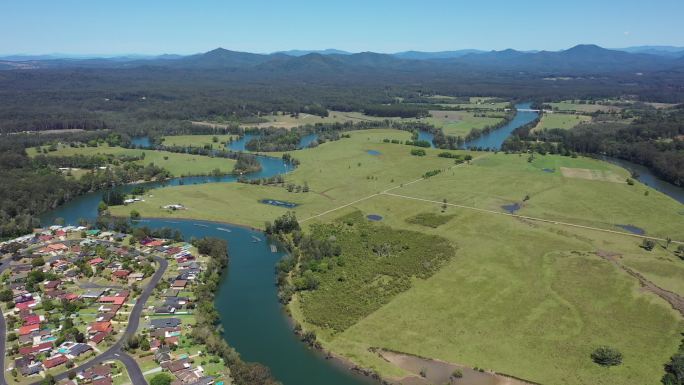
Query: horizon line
115	55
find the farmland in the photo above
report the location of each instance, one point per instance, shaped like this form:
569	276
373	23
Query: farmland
459	123
560	120
177	164
538	279
197	140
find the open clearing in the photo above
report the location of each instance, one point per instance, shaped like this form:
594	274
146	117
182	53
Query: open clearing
197	140
526	298
583	173
580	107
287	121
177	164
560	120
459	123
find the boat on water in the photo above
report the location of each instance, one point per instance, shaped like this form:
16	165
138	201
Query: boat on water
200	225
255	238
224	229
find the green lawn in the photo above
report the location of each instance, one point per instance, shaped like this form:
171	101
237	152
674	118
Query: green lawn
560	120
197	140
177	164
459	123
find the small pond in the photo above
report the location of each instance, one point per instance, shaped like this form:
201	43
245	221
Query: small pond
548	170
632	229
512	208
141	142
274	202
374	217
427	136
373	152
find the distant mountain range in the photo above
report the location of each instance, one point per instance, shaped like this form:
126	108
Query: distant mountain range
578	60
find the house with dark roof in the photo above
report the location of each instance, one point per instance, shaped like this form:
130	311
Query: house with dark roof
158	323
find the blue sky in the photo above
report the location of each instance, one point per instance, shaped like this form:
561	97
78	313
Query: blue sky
170	26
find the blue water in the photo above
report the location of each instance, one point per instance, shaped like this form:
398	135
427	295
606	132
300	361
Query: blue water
374	217
306	140
427	136
632	229
274	202
495	138
512	208
251	315
548	170
141	142
373	152
648	178
85	206
239	144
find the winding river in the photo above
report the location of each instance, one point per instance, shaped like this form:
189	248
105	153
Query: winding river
253	320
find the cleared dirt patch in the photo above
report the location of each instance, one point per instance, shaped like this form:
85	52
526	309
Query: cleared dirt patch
429	371
447	116
585	173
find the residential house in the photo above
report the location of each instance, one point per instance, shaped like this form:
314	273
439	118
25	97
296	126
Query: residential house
158	323
55	361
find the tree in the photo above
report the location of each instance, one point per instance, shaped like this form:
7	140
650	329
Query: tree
606	356
135	214
144	344
161	379
48	380
6	295
38	262
648	244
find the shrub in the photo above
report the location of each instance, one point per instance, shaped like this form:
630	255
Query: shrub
606	356
418	152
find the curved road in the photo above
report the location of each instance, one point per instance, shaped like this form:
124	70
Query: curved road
116	351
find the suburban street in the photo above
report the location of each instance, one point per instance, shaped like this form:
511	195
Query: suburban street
115	352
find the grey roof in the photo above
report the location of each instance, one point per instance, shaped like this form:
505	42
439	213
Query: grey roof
79	349
164	322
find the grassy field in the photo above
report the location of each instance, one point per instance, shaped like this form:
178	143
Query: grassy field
522	297
336	173
585	108
459	123
177	164
560	120
286	121
197	140
478	103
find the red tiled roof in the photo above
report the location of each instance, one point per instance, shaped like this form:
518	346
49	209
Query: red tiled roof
104	327
33	319
121	273
55	361
24	330
35	348
26	305
114	300
95	261
98	337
